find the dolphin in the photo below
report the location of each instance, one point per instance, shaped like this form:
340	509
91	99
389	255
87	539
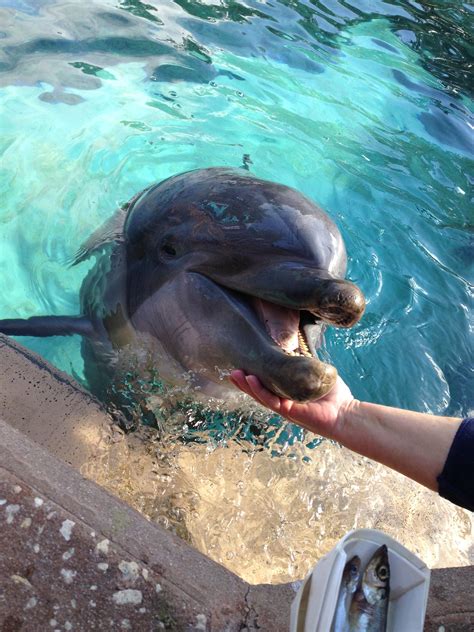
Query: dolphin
207	271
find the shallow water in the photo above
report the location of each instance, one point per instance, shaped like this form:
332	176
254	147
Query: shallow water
366	108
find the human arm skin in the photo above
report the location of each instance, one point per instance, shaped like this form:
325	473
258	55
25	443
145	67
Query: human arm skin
414	444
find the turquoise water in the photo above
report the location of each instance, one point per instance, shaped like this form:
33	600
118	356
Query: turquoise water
365	107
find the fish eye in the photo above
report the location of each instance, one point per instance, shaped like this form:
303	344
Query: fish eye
382	572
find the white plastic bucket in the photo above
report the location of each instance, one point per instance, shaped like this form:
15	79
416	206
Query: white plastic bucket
315	603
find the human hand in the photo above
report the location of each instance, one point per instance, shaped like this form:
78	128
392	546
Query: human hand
323	416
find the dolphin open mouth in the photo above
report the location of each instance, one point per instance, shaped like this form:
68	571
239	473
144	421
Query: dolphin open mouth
286	327
260	324
284	352
274	323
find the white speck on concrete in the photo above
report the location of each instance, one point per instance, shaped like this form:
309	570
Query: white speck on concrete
26	524
11	510
201	622
92	534
66	529
94	587
68	575
38	501
127	596
73	603
53	623
103	546
158	588
142	610
2	501
145	573
41	529
102	566
36	548
50	515
17	489
125	624
129	570
67	625
441	628
31	603
68	554
92	604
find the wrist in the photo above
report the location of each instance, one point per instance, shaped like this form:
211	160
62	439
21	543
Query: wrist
343	426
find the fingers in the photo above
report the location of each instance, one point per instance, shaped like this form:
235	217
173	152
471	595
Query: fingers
263	395
251	385
237	378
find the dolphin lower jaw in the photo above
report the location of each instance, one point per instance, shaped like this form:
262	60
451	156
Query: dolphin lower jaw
301	379
227	331
287	364
274	344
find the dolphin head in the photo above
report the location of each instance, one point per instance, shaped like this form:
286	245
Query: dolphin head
229	271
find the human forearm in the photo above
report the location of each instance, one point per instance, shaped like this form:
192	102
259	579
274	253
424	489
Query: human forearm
414	444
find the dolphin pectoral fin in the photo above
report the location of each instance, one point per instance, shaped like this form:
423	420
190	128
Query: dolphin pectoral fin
44	326
111	231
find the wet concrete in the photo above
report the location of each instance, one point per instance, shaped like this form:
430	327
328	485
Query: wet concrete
72	557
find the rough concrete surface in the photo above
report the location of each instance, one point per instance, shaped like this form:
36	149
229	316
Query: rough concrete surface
72	557
196	593
47	405
57	573
451	600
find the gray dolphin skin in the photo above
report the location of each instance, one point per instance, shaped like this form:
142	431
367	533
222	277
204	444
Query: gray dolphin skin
213	270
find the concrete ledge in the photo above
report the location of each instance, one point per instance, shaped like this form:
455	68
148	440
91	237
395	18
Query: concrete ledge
43	499
451	602
73	557
48	406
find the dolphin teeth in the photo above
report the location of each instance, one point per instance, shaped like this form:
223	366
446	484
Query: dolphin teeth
303	347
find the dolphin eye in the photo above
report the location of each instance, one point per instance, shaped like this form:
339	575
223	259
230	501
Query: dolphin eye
168	249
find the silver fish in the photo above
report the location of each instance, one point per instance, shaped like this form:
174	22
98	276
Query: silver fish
368	610
349	582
